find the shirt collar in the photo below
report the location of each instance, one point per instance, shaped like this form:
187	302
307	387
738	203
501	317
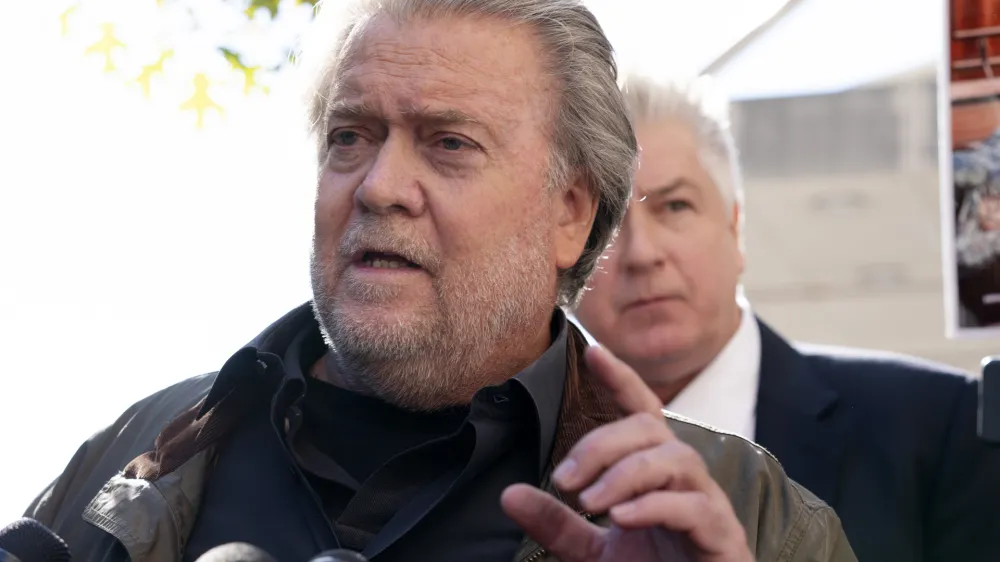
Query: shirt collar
724	394
544	380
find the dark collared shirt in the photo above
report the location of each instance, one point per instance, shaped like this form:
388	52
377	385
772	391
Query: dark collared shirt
403	485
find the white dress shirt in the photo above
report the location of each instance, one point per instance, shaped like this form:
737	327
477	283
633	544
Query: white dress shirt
724	395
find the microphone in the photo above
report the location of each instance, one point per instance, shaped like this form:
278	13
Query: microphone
245	552
235	552
27	540
339	555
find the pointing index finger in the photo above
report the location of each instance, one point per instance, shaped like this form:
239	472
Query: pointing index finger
627	388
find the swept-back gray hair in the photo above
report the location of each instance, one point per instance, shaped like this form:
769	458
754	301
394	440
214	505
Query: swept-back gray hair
702	106
592	135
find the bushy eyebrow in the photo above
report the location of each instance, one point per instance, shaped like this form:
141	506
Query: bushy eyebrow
353	111
665	190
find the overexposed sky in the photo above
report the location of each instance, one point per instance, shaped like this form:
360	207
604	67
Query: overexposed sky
831	45
136	250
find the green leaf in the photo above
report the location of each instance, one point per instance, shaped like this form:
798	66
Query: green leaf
233	58
269	5
254	77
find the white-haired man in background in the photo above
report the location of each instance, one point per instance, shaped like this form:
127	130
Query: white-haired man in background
888	441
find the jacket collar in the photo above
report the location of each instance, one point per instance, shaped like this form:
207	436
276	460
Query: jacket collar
798	419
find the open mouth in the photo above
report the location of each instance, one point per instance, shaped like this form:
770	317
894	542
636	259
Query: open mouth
386	260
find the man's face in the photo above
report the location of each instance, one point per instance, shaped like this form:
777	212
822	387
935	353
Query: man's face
667	286
437	240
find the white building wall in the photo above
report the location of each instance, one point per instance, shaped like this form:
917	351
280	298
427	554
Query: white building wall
843	235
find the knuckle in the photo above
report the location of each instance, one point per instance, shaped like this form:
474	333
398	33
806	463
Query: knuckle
664	456
621	477
701	510
702	505
689	458
586	448
647	470
589	449
640	463
648	423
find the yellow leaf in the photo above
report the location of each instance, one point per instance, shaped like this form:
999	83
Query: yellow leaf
146	75
200	101
250	80
64	19
105	45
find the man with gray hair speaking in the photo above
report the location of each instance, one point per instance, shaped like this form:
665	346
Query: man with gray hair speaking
432	403
888	441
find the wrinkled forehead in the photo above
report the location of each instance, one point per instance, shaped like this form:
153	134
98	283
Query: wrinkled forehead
486	69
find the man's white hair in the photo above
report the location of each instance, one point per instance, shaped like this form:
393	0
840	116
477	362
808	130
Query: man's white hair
592	135
701	105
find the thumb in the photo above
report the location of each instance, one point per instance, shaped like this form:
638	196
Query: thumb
553	525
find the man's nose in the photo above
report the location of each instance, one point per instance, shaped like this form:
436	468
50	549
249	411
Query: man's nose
637	249
392	184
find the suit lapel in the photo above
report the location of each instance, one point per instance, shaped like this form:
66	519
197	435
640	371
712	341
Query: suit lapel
798	419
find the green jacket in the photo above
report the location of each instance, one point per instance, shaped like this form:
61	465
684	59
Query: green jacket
138	483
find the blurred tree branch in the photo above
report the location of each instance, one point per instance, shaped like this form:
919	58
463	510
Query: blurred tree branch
201	43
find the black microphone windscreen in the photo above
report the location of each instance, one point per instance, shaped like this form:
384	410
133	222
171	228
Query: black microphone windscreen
236	552
31	541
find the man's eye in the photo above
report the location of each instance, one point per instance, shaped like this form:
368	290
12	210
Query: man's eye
678	205
452	143
343	137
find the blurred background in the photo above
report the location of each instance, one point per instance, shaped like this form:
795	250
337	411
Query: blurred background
155	178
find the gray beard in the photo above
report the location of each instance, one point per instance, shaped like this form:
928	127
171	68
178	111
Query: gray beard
450	351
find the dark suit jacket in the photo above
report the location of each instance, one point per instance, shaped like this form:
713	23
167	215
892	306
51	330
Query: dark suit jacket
890	442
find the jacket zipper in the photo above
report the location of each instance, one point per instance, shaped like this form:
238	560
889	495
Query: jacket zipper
536	555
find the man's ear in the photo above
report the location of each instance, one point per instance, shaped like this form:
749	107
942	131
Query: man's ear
575	212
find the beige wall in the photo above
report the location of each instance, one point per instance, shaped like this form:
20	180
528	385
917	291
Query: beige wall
849	253
853	260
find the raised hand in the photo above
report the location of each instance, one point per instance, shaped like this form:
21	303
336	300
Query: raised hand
662	501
